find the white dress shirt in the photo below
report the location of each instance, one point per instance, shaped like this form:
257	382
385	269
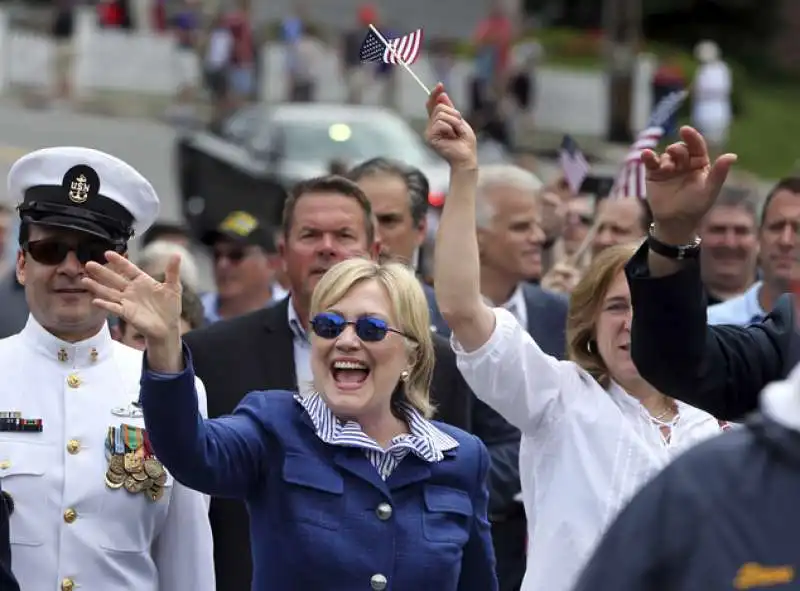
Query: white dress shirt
69	530
585	450
742	310
515	304
302	353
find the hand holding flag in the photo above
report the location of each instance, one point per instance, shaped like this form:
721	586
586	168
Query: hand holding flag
449	134
403	50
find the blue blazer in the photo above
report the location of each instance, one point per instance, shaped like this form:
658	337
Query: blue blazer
313	507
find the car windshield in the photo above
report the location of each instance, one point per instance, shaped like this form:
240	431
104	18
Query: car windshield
352	141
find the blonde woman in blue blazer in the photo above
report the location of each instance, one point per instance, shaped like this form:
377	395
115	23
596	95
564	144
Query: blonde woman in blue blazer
351	487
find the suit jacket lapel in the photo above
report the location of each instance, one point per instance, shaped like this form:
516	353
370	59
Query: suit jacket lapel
276	349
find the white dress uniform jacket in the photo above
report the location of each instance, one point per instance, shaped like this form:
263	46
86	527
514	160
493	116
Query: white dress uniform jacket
585	450
69	530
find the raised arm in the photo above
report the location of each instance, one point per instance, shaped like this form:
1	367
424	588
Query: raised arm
498	358
219	457
722	368
719	369
456	266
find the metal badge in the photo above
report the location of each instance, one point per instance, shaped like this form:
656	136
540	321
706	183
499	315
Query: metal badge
133	410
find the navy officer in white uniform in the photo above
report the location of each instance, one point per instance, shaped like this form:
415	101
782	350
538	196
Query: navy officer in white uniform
94	509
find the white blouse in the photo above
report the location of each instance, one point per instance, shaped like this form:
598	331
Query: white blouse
585	450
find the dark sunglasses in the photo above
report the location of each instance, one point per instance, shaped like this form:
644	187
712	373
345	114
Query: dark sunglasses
235	256
51	251
368	328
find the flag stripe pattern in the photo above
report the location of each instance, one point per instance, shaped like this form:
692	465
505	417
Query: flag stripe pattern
573	164
630	181
406	48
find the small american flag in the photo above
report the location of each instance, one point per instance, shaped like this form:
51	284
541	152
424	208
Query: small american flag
573	164
630	181
406	48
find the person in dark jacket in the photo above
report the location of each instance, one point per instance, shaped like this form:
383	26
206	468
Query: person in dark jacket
722	516
7	580
720	369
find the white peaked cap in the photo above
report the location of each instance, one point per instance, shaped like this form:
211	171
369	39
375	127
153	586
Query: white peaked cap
85	190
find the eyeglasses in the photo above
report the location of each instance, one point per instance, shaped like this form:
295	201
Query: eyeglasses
235	255
51	251
368	328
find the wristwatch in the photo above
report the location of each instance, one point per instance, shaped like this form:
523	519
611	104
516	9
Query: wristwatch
679	253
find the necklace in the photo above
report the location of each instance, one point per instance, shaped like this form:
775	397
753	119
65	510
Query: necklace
662	415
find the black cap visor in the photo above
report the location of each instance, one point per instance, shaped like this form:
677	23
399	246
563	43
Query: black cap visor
75	224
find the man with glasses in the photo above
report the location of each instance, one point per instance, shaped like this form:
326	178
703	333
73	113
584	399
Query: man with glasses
93	507
245	265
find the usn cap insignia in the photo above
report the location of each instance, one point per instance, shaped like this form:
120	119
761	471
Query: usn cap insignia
81	182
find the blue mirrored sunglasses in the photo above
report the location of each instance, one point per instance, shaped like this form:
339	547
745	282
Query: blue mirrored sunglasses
369	329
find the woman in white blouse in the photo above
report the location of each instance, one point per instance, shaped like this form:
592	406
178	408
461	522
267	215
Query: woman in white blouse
593	431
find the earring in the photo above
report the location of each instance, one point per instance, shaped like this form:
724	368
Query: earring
404	375
589	347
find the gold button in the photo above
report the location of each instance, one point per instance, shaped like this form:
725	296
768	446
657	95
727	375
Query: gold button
70	515
5	464
67	585
73	381
73	446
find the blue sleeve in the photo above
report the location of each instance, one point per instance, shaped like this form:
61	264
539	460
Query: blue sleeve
650	544
478	562
220	457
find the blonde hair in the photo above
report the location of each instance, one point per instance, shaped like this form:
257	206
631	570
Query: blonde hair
409	310
585	303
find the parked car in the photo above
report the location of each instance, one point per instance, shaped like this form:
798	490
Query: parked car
257	154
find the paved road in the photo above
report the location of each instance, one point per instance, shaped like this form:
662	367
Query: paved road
144	144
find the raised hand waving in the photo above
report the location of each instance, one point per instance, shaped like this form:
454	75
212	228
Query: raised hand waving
123	289
682	185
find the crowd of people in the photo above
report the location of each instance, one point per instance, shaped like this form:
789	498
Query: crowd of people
547	409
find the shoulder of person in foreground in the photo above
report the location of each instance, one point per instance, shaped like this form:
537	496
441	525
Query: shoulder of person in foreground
722	368
654	540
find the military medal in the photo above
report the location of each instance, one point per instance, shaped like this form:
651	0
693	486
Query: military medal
132	464
132	485
115	474
155	492
110	480
117	464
